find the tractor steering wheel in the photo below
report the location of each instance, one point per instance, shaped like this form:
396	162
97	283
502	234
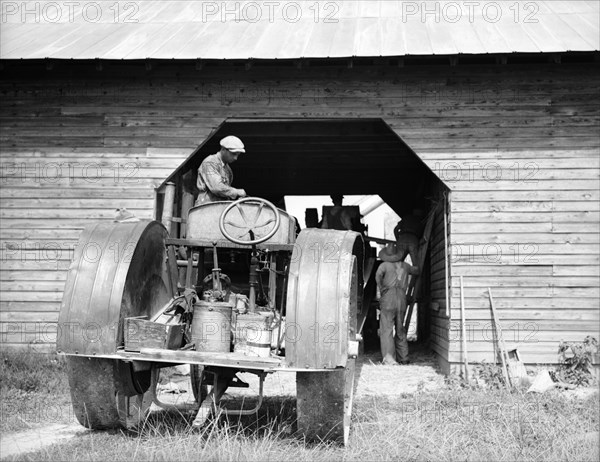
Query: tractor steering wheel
249	226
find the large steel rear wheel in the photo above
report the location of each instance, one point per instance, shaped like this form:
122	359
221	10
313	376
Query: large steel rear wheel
118	271
101	396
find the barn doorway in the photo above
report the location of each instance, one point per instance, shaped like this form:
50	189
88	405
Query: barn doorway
352	157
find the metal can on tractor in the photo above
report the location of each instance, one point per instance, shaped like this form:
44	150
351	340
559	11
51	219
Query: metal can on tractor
151	304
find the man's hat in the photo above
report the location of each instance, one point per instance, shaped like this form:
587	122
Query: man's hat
233	144
393	252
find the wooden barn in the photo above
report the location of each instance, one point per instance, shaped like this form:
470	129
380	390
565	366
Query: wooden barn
486	112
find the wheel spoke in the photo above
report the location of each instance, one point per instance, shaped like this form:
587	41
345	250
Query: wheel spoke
260	207
243	234
269	221
235	225
243	215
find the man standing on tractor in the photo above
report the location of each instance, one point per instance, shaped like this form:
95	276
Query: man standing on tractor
215	175
392	279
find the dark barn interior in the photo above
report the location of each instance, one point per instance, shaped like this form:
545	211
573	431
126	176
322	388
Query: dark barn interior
321	157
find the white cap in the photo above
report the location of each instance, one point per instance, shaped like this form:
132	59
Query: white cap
233	144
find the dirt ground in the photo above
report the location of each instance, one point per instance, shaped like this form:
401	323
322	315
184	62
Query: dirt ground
372	379
37	438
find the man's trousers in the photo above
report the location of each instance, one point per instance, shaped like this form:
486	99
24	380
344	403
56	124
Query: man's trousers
393	310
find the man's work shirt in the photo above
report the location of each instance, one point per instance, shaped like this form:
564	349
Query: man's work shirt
392	280
335	217
214	181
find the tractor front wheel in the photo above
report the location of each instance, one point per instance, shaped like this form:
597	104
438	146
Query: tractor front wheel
324	403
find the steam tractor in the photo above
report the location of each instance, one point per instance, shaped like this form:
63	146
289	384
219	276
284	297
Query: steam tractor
240	292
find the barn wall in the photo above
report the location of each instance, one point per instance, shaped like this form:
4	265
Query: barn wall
517	145
535	244
437	317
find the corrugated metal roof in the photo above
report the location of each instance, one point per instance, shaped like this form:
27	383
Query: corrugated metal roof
293	29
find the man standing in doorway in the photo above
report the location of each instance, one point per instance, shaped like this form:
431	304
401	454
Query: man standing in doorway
215	175
392	279
336	217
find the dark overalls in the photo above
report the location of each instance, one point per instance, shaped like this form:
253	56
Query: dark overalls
392	280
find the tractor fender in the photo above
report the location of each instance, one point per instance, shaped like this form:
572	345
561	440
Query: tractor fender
323	297
118	271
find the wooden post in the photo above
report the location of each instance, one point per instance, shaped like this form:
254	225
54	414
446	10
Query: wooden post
463	329
187	202
167	215
498	330
446	265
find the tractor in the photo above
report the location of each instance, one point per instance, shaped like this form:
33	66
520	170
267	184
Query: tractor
241	292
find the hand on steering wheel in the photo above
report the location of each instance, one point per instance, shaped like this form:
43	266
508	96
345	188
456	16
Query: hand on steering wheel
249	226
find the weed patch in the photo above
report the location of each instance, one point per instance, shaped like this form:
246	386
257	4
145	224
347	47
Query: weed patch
575	361
33	390
30	372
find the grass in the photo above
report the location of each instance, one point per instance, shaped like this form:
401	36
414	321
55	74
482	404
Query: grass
451	424
34	390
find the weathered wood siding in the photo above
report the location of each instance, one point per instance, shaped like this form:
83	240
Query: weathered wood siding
517	144
438	319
